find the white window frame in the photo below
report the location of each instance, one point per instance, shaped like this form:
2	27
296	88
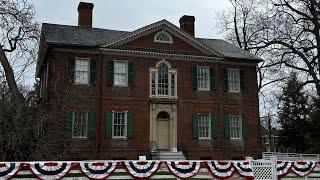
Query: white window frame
161	41
208	80
114	73
75	72
125	125
239	118
238	81
171	71
73	120
209	130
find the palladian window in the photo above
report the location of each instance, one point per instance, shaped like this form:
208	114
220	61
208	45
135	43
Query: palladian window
163	81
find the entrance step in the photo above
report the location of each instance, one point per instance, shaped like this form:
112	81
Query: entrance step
169	155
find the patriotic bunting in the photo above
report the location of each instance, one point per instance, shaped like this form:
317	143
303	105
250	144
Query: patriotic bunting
97	169
142	169
303	168
283	167
221	169
50	170
7	170
243	168
183	169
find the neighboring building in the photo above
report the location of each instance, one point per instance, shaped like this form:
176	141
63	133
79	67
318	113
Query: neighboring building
157	85
269	142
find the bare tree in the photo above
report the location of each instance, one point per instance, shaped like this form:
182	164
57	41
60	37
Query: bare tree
284	32
18	41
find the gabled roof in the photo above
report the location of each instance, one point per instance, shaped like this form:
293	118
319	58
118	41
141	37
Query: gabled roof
228	49
76	35
54	34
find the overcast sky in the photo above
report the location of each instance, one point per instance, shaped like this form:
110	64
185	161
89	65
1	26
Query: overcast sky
129	15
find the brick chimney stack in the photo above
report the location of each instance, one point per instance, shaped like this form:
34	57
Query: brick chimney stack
85	14
187	24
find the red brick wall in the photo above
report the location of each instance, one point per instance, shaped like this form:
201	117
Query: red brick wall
136	99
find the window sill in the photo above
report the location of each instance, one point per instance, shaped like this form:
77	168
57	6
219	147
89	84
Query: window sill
234	91
203	90
80	138
119	138
120	85
205	139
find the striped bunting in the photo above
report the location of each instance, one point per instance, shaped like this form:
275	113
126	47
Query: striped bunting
303	168
243	168
7	170
50	170
142	169
183	169
283	167
221	169
97	169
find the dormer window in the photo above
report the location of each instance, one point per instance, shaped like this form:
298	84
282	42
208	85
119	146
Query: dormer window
163	37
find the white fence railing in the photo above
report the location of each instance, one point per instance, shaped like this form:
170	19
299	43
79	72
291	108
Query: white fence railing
291	156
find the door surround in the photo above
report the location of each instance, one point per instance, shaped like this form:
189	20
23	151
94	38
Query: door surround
171	109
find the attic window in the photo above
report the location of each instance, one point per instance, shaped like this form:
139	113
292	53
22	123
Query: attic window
163	37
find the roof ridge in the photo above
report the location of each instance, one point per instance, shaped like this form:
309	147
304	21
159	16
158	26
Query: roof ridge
74	26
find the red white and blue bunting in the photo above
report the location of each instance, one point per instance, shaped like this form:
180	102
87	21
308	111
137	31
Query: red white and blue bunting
142	169
221	169
50	170
97	169
303	168
183	169
7	170
283	167
243	168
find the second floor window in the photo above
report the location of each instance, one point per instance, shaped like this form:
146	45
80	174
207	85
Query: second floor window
82	71
79	124
234	80
163	81
203	78
121	73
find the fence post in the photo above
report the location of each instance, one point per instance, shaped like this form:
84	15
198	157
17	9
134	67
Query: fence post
274	167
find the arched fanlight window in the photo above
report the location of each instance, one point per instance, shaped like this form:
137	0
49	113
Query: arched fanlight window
163	80
163	37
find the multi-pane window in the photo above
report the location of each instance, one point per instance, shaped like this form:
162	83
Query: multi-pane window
235	123
163	79
234	80
120	73
204	125
79	124
119	124
82	71
203	78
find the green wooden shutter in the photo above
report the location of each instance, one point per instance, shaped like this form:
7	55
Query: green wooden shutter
225	79
71	69
195	128
68	125
245	129
212	79
91	124
213	126
108	124
130	73
242	81
194	78
226	126
93	71
129	125
110	73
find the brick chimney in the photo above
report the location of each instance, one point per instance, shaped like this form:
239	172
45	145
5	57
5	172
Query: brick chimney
187	24
85	14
